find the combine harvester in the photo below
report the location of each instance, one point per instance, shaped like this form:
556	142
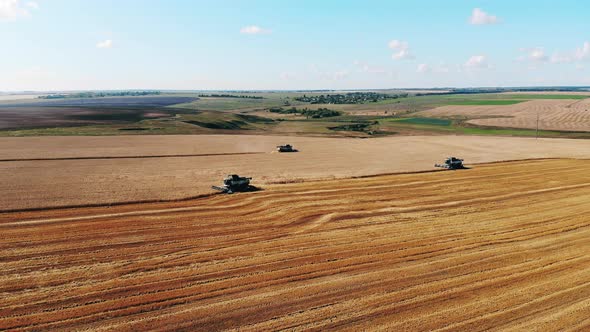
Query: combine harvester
451	163
286	148
233	183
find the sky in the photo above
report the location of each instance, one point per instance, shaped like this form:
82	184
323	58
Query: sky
53	45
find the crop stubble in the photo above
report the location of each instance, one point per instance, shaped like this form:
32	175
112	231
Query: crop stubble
108	170
499	246
563	115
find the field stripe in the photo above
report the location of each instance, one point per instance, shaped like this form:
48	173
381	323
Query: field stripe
133	157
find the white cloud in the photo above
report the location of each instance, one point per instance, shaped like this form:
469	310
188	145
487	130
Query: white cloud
423	68
105	44
32	5
403	54
397	44
402	50
441	68
579	54
536	54
479	17
364	67
561	58
11	10
583	53
337	75
477	62
254	30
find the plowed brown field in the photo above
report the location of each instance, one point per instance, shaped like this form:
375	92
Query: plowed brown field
499	246
564	115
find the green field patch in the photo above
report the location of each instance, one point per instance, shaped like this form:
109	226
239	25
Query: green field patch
230	125
493	131
137	129
425	121
227	121
351	127
447	126
475	102
229	104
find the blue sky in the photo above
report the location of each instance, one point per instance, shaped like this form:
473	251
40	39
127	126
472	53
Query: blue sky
183	44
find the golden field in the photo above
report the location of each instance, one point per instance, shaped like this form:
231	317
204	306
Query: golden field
501	246
554	114
39	172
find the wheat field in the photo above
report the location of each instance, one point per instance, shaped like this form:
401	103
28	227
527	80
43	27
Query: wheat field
499	246
65	171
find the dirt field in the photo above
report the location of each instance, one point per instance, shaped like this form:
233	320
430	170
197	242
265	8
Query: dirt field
563	114
501	246
37	117
42	113
70	171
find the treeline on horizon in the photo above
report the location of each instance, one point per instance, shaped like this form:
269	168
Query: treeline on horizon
314	114
349	98
230	96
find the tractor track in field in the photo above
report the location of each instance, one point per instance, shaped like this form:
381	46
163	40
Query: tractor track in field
498	246
133	157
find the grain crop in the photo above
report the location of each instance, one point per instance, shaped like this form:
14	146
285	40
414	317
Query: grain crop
501	246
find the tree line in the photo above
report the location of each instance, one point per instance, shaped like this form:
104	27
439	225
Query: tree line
231	96
314	114
349	98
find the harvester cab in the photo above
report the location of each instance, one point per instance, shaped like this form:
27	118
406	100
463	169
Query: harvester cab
233	183
451	163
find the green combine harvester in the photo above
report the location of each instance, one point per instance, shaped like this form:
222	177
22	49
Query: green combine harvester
451	163
286	148
233	183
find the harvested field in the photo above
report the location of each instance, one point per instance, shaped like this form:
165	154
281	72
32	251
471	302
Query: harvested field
39	172
500	246
549	93
562	115
42	113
